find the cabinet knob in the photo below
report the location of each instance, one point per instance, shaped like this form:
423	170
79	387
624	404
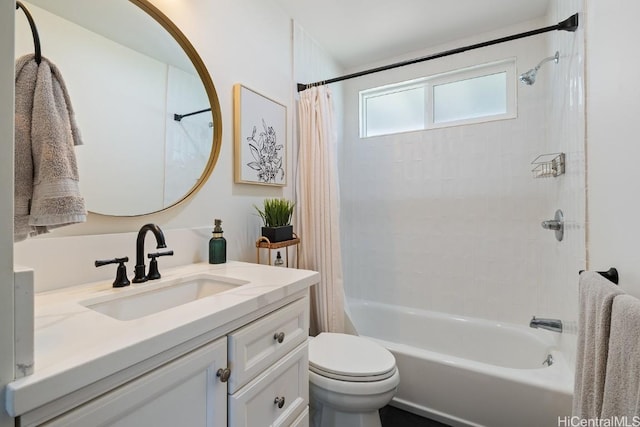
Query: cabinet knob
279	336
279	401
223	374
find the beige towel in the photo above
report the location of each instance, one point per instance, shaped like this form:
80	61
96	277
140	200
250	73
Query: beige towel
47	194
596	295
26	68
622	383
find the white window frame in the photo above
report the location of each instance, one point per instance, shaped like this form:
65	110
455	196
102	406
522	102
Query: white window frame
507	66
388	90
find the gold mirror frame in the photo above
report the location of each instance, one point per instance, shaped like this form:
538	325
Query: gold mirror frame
212	95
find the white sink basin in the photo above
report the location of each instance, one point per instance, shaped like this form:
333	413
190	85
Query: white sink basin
132	303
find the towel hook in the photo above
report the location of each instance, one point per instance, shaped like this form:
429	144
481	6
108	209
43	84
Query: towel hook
34	31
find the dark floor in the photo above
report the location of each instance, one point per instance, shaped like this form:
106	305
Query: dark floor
394	417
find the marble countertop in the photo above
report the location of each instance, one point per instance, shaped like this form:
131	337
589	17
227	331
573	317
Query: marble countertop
76	346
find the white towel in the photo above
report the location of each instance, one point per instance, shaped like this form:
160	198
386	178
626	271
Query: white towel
596	295
622	383
47	194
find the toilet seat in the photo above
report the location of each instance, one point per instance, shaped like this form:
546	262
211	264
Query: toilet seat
350	358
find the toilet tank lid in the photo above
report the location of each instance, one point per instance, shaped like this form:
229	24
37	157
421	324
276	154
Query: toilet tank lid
349	355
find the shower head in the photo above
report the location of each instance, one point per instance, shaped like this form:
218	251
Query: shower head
529	77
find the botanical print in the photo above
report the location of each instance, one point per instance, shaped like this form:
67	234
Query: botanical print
267	154
260	138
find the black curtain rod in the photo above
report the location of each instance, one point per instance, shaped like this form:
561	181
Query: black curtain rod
178	117
569	24
34	31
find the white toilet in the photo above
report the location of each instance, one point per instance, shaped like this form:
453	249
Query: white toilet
350	378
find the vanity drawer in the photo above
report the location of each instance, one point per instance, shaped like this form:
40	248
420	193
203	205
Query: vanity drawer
255	347
285	384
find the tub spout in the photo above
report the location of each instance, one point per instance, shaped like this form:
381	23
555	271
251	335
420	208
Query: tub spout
554	325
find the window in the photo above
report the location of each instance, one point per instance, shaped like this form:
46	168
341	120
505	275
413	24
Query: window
396	111
472	95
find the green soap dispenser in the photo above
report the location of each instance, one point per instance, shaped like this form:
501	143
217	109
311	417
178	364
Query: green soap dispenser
217	245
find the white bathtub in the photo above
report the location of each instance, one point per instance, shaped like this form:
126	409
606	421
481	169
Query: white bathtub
470	372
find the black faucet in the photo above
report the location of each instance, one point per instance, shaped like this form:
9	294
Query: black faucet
140	275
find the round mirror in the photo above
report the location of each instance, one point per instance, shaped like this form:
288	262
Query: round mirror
145	104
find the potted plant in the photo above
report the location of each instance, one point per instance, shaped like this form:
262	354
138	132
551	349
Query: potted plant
276	216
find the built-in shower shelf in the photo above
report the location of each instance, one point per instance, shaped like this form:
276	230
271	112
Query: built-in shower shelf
548	165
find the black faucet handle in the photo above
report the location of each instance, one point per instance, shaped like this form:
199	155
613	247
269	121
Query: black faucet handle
121	273
158	254
101	262
154	273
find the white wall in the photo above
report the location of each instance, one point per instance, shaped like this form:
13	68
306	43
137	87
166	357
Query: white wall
188	142
565	132
613	175
7	13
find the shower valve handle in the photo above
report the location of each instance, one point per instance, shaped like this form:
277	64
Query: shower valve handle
551	225
556	224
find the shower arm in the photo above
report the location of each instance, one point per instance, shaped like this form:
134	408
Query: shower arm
553	58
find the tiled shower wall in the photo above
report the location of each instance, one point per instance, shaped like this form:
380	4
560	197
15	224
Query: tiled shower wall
558	290
449	219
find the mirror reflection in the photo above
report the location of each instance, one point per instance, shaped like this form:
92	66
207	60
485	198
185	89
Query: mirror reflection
127	77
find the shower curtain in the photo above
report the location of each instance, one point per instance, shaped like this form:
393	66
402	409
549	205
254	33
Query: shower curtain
317	208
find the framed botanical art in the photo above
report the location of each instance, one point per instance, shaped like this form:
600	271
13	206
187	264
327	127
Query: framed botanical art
260	138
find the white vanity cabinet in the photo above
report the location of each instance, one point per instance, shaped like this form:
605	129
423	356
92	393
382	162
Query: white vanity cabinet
267	385
184	392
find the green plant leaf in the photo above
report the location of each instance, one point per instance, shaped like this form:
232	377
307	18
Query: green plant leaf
276	212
